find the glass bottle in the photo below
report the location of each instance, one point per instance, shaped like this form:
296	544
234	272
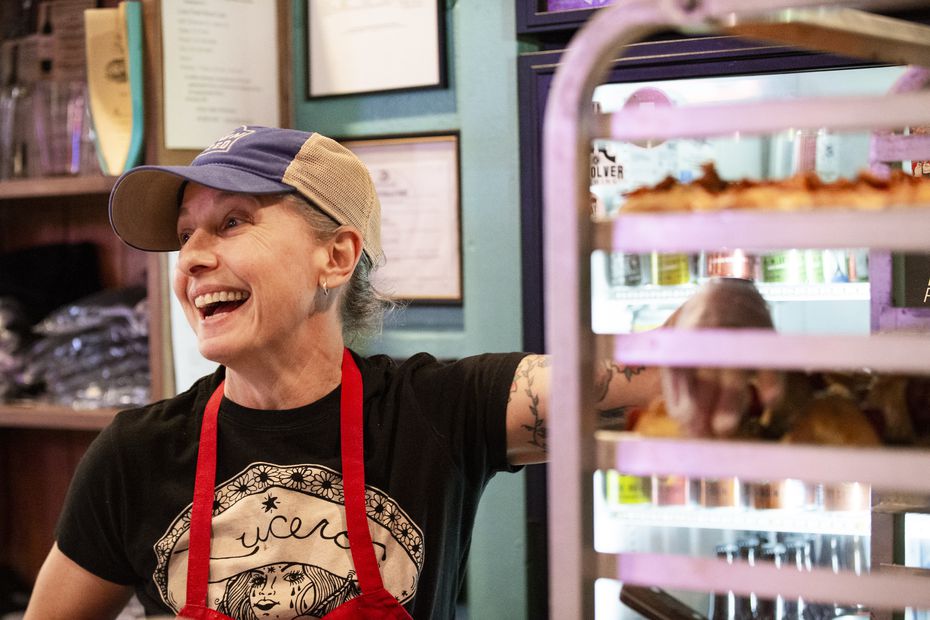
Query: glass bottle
745	604
772	554
723	604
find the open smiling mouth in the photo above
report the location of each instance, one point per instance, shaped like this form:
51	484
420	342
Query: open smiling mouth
220	302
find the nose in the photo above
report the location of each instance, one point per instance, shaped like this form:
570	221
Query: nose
268	587
197	254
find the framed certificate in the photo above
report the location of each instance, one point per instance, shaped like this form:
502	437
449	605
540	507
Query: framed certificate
366	47
417	179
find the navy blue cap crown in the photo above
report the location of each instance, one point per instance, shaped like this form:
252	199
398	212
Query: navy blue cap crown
250	160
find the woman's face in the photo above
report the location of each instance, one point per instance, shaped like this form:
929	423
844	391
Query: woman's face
275	589
247	273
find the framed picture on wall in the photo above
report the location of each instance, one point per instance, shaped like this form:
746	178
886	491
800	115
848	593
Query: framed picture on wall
417	180
550	15
368	47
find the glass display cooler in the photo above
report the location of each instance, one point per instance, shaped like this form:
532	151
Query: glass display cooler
751	528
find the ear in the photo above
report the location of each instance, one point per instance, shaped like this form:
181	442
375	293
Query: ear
344	251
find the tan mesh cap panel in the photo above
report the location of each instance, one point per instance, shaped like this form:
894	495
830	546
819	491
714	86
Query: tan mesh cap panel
337	181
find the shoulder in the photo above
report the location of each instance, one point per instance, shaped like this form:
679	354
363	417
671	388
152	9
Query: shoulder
424	366
423	377
170	414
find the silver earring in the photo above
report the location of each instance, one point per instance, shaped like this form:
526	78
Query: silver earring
323	286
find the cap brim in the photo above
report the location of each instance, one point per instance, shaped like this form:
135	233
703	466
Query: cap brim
144	201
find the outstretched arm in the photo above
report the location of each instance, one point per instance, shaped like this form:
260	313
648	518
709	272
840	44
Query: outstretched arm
705	401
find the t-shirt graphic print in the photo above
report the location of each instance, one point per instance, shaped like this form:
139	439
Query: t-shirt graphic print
280	548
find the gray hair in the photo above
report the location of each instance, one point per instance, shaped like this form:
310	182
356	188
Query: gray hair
362	306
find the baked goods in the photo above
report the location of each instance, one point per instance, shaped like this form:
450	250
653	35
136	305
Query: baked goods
832	419
654	421
709	192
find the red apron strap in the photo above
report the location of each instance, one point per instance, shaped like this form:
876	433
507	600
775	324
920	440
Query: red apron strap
353	477
198	555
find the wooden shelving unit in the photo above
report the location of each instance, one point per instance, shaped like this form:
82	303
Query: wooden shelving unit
44	415
58	187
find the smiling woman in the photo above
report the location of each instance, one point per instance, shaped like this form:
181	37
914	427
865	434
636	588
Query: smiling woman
277	233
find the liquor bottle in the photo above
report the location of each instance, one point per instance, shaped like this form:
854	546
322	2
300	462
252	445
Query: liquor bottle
772	554
723	604
745	604
797	557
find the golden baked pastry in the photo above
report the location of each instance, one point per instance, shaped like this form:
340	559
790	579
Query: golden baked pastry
654	421
802	191
835	420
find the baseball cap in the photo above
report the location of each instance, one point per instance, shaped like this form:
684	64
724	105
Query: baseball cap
254	160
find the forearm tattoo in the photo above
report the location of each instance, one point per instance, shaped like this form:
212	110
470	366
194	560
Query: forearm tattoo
610	370
524	383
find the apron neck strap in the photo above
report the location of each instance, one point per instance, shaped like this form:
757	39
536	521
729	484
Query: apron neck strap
198	556
353	477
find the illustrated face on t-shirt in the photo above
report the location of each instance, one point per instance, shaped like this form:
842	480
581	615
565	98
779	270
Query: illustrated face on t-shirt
285	591
280	548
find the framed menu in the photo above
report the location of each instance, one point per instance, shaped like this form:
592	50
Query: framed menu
205	82
417	179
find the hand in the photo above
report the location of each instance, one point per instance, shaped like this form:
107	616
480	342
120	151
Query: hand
712	402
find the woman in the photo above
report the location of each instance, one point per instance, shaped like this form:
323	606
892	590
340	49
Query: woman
277	232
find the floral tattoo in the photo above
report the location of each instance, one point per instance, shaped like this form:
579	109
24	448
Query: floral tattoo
523	382
612	369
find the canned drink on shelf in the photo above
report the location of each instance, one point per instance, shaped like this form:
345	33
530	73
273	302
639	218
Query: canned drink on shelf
670	269
836	265
624	269
813	266
762	495
624	489
786	267
720	492
846	496
858	261
735	264
671	491
634	489
645	262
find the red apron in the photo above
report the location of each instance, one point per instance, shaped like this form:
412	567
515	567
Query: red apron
374	601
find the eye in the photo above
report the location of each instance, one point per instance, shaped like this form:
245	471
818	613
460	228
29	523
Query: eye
231	222
184	236
257	581
294	576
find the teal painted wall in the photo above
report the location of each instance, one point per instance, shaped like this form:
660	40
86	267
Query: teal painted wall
481	104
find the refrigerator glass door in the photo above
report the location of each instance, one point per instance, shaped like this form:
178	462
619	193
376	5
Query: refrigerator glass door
795	524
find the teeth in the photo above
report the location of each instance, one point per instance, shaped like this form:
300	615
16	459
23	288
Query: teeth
212	298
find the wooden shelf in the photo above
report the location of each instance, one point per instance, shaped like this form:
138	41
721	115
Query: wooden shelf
23	189
45	415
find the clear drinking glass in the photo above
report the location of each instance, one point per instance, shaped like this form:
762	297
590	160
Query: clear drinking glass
63	138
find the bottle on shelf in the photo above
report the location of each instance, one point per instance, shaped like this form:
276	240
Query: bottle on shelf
723	604
772	554
745	605
670	269
797	557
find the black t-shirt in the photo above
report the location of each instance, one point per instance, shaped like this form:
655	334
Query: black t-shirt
434	436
